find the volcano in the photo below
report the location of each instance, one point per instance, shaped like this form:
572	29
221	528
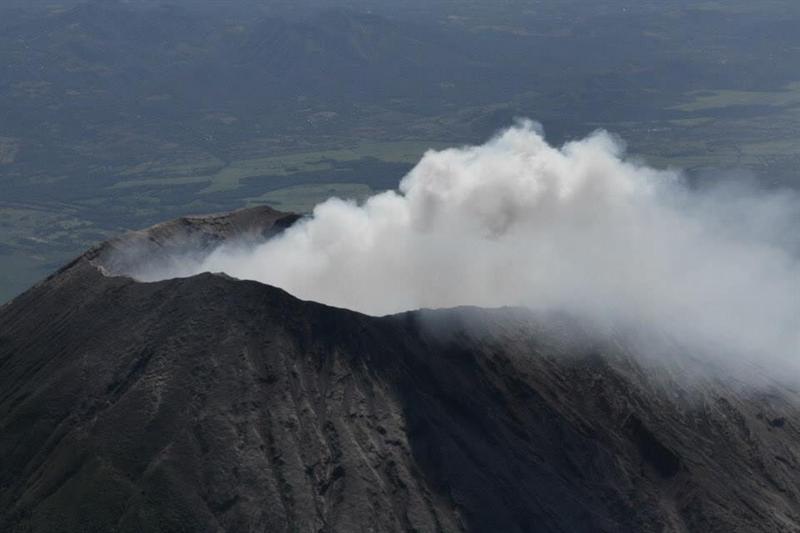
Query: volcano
208	403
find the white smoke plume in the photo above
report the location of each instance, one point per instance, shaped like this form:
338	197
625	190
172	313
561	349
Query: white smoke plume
579	229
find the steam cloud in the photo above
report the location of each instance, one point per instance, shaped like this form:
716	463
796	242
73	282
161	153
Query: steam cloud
579	229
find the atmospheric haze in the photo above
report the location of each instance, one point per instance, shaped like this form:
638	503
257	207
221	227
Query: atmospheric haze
579	229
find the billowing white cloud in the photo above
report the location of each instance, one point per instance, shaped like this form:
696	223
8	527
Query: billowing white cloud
578	229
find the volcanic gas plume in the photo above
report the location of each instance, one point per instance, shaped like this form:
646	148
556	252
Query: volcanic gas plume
580	229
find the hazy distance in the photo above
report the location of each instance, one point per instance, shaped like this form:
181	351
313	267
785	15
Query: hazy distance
118	115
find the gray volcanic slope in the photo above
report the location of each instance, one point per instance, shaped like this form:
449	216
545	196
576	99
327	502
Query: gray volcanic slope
213	404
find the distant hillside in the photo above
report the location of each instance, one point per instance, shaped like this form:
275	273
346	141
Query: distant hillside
116	114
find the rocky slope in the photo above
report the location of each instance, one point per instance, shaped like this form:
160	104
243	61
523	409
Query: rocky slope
213	404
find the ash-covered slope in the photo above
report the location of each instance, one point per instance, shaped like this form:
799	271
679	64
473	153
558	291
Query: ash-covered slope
212	404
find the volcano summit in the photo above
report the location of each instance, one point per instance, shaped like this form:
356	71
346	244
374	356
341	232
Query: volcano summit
208	403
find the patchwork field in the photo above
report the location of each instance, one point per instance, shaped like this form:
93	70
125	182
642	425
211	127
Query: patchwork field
303	198
213	113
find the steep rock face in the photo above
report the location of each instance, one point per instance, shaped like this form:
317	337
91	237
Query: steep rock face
213	404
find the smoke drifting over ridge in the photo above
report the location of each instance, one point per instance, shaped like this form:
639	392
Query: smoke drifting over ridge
579	229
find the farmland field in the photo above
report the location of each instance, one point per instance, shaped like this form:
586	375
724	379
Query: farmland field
87	152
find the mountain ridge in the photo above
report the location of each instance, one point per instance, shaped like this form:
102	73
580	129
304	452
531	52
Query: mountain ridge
214	404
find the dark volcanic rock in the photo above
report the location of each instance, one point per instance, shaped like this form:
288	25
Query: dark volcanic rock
137	251
212	404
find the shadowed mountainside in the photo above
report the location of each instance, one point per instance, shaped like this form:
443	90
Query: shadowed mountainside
213	404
